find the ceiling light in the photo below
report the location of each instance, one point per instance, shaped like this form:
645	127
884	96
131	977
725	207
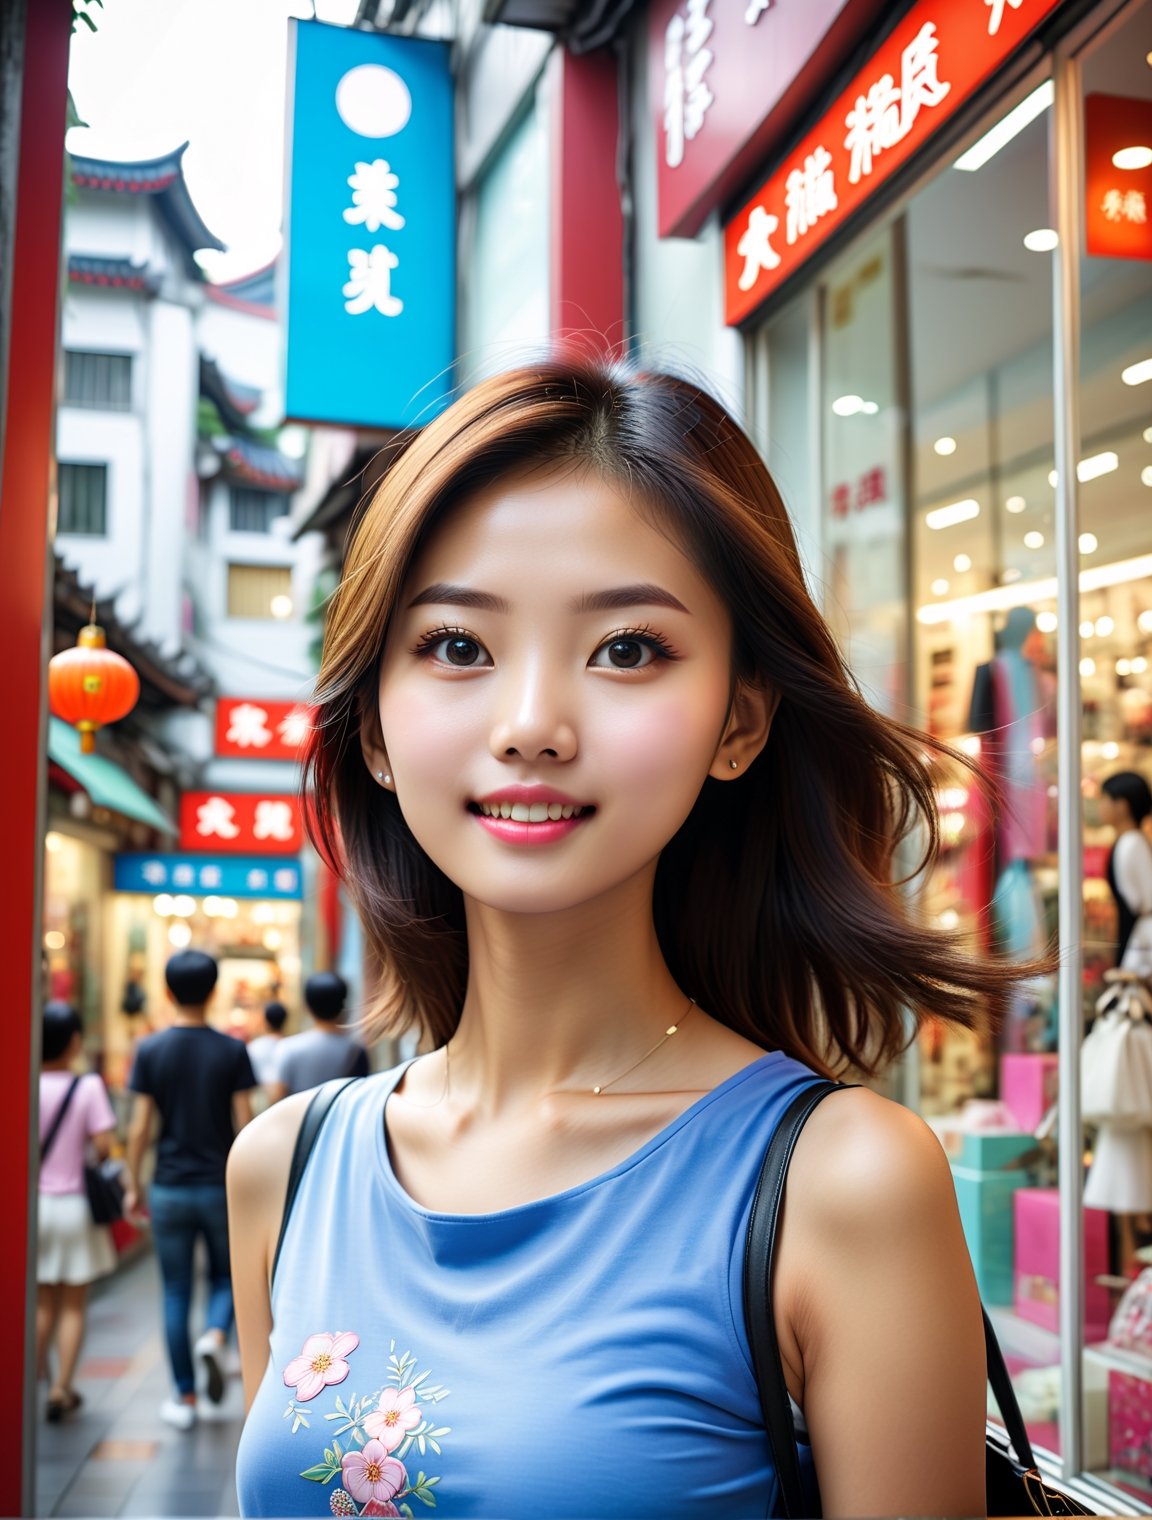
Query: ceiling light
848	406
869	408
1043	240
183	905
1015	504
1047	622
945	446
1091	468
1089	543
1136	374
1110	751
1028	593
1006	129
179	934
1138	157
1147	435
1087	628
163	904
55	939
1123	667
1088	666
52	843
1146	475
1033	540
1104	626
940	587
961	563
1139	665
956	512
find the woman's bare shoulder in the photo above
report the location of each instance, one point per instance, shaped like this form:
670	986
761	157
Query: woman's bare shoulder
261	1154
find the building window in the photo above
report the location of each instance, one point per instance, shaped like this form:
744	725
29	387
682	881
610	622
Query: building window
253	511
259	591
83	499
98	380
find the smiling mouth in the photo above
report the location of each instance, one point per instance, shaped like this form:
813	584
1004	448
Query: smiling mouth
529	812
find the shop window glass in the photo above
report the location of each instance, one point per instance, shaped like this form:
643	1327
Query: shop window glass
103	381
254	511
983	603
259	591
1116	695
861	420
83	499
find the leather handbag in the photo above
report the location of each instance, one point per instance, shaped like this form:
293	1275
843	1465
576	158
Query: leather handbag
1014	1485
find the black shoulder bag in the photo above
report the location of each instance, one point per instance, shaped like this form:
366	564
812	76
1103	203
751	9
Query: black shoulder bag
1014	1486
103	1183
317	1111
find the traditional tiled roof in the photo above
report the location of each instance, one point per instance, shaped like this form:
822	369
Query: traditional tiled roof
122	274
235	402
162	177
254	293
255	464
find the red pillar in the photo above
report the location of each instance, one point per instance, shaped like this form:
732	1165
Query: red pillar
27	479
586	295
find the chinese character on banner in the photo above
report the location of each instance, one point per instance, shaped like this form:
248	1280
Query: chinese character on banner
374	196
1124	206
1116	188
183	876
871	488
257	880
809	193
996	13
755	9
755	247
240	823
155	873
841	500
686	93
369	283
249	729
888	112
210	877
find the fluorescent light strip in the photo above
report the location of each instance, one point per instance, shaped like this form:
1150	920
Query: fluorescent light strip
1137	374
1091	468
955	512
1002	598
1006	129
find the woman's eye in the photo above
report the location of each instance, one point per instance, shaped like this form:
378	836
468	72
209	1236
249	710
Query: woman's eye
457	649
624	654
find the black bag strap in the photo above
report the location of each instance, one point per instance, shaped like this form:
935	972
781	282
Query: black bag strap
758	1257
54	1127
314	1115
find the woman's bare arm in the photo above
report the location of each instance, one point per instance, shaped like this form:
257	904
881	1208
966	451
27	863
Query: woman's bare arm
882	1328
258	1167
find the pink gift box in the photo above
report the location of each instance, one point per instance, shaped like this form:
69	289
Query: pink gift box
1028	1087
1130	1423
1037	1262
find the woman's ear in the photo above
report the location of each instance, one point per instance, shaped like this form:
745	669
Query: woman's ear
746	731
372	748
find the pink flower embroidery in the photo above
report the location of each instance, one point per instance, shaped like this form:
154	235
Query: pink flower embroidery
371	1475
374	1507
393	1417
321	1362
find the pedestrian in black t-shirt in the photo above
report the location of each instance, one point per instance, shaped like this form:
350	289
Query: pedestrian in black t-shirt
198	1080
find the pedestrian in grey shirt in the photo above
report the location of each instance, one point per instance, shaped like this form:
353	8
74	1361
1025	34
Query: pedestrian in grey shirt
326	1050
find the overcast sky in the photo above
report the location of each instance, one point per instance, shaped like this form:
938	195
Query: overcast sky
211	72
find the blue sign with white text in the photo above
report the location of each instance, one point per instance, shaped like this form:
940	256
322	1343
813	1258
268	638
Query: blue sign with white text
370	228
199	875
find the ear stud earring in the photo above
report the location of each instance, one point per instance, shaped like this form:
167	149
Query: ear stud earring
735	764
380	776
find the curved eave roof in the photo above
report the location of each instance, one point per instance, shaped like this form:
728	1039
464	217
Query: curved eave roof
118	274
255	464
162	177
235	402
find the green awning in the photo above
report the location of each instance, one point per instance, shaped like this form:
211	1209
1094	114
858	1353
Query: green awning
107	783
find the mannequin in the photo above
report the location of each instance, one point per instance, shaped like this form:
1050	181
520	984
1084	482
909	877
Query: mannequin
1125	801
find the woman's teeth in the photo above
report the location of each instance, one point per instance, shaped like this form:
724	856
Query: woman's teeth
530	812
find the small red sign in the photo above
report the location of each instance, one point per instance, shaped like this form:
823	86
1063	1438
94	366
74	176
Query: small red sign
930	66
1118	195
240	823
250	728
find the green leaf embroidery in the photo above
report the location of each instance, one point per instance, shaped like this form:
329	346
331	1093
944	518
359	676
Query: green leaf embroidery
323	1472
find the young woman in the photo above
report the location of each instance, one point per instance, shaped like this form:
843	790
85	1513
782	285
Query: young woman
71	1251
1125	802
620	828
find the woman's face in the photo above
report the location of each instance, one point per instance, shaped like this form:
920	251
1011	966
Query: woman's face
555	658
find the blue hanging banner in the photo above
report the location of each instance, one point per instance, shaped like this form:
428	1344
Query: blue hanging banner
370	228
197	875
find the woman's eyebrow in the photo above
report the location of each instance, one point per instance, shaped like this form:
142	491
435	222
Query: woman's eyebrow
643	594
459	596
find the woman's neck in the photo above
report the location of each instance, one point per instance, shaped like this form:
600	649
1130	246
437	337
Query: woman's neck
560	1001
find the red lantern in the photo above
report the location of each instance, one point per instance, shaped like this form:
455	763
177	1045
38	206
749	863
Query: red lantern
91	685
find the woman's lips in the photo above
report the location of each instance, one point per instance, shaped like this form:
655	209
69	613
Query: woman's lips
529	823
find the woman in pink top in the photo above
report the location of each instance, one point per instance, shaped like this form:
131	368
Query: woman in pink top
72	1250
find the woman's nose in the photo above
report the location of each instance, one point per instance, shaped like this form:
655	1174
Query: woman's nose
533	722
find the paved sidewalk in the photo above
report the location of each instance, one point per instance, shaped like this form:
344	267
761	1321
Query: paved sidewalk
115	1456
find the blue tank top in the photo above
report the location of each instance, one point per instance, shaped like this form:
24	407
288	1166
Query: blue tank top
581	1355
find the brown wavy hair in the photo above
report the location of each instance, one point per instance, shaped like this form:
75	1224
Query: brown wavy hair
777	903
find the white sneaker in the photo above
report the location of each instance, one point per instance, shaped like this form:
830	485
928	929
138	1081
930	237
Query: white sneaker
210	1353
178	1414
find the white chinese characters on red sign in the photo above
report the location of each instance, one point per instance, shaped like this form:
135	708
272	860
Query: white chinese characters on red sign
686	93
932	62
251	729
240	823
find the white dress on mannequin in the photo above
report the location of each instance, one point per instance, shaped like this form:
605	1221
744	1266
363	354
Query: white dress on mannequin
1116	1072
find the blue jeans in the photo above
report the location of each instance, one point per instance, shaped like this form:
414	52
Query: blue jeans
179	1214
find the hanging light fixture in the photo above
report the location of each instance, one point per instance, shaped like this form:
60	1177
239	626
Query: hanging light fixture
90	685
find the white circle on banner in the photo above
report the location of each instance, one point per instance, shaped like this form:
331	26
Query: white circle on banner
373	101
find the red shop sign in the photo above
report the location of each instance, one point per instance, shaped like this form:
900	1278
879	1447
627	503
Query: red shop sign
250	728
240	823
728	78
1118	199
930	66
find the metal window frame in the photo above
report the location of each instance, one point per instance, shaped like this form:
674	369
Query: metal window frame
70	504
97	372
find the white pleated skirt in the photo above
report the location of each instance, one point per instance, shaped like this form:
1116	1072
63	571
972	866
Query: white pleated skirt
71	1248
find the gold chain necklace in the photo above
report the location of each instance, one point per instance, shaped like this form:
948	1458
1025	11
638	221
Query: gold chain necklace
601	1087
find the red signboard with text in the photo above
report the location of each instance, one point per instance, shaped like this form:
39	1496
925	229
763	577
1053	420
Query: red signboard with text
728	79
250	728
928	68
1118	195
240	823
